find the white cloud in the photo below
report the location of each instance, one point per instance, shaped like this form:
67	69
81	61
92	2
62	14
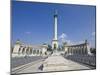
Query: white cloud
74	43
80	42
27	32
62	36
69	42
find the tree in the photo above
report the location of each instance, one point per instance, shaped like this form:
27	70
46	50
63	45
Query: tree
49	48
93	50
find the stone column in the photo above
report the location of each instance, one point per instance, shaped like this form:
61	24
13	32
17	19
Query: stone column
88	49
55	40
25	51
75	50
21	50
85	50
68	50
16	48
80	50
72	51
55	30
29	51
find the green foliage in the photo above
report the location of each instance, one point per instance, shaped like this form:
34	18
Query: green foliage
93	50
49	48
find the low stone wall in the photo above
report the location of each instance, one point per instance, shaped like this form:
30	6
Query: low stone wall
85	59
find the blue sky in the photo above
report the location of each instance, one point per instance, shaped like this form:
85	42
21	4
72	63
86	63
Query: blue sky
33	23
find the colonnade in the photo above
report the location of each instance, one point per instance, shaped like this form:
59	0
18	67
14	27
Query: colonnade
29	51
81	49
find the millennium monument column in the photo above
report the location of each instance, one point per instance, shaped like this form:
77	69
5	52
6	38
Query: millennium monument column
55	40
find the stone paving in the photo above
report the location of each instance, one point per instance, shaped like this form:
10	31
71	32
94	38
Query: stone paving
59	63
52	63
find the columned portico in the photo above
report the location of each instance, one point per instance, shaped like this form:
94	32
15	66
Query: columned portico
79	49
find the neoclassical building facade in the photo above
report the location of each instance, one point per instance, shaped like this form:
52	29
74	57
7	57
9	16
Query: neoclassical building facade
78	49
20	49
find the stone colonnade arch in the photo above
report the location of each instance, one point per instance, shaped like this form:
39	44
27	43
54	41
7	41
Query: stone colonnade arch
80	49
